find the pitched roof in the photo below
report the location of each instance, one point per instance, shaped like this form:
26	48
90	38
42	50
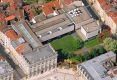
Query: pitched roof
12	7
2	15
32	13
2	27
108	9
47	8
66	2
12	1
1	57
27	8
20	49
11	34
10	18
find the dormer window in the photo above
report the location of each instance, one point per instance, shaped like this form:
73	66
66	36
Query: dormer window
39	36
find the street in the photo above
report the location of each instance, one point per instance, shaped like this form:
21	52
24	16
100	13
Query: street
18	73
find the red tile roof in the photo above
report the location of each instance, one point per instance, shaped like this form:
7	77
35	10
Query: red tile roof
1	57
2	15
27	8
68	1
12	1
47	8
11	34
108	9
32	14
10	18
12	7
20	49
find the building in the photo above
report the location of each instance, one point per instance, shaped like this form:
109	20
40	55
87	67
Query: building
50	9
107	11
23	28
6	72
97	68
85	25
90	30
40	60
53	27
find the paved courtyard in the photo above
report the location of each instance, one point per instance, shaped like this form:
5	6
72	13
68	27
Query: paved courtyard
59	76
56	74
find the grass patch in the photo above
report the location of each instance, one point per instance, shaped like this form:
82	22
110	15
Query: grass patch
32	1
78	37
64	43
92	43
47	1
74	60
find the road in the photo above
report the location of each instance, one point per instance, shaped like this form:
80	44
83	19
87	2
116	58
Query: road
18	73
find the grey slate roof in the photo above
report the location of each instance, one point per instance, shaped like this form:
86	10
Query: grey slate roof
94	68
39	53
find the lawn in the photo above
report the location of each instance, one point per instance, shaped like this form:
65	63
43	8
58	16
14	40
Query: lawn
92	43
31	1
64	43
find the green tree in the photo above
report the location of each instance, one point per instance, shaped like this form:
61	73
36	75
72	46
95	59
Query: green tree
110	44
104	34
79	57
86	56
94	52
101	50
77	44
70	55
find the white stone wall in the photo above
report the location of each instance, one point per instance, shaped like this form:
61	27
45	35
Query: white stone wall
18	59
84	32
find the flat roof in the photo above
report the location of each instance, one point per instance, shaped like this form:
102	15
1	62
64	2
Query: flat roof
51	23
94	68
39	53
91	27
24	29
5	68
79	17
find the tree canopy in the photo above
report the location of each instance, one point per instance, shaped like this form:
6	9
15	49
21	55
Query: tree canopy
76	44
86	56
110	44
104	34
79	57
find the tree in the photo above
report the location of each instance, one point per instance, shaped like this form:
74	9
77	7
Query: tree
104	34
76	44
94	52
79	57
70	55
110	44
86	56
101	50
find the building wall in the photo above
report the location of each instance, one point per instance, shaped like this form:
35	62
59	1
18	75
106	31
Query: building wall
14	55
92	34
46	64
84	32
58	33
81	74
104	17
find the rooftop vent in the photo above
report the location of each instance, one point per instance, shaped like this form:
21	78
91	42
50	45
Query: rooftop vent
75	12
49	32
59	28
39	36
